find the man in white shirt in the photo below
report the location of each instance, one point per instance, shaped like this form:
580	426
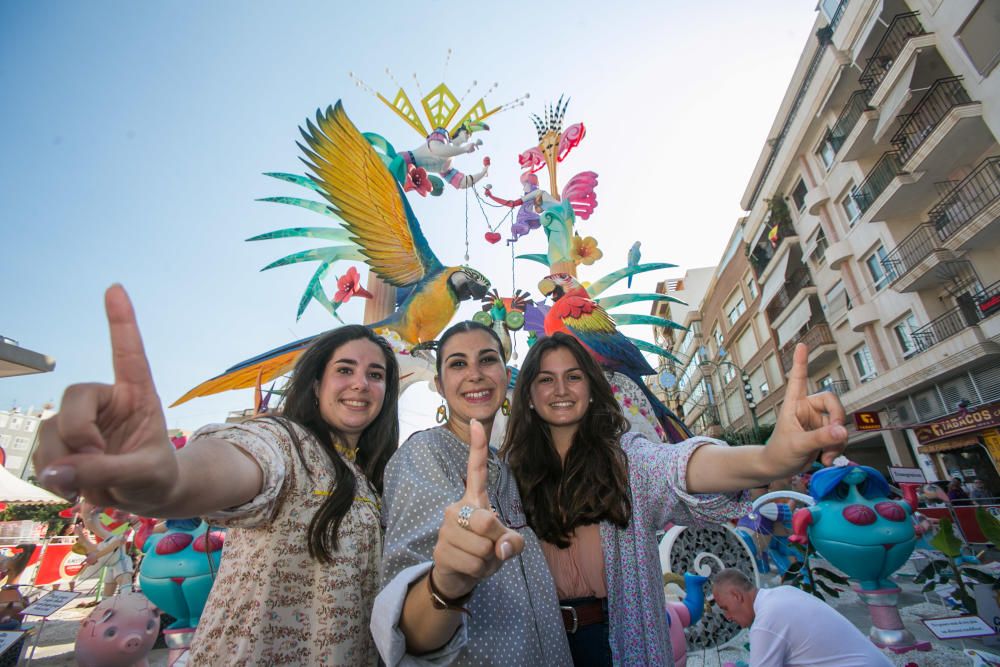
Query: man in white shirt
791	628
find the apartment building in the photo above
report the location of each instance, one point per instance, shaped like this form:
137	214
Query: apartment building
19	437
727	374
873	227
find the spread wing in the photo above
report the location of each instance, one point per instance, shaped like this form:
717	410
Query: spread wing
596	329
353	178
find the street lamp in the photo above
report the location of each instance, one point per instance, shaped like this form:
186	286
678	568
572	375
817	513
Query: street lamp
744	377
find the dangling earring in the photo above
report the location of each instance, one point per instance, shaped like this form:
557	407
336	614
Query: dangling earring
505	407
531	406
442	414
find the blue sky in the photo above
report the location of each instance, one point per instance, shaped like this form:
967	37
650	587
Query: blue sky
134	137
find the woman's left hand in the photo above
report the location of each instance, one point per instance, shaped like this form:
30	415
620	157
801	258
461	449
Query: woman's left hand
808	425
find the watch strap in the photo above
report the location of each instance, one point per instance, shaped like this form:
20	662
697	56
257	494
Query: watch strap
439	601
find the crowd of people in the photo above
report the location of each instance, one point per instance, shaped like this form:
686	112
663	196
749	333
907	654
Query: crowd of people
344	548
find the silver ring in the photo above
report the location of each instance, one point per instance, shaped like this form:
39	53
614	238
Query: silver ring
464	514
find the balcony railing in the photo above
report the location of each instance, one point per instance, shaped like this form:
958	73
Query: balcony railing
965	201
848	118
915	127
761	255
920	243
838	387
813	337
795	283
887	168
899	32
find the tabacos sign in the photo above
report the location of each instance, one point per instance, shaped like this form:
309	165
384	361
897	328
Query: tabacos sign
983	417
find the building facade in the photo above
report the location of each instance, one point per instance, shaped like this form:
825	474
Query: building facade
19	437
873	226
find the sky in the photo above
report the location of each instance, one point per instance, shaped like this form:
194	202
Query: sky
134	138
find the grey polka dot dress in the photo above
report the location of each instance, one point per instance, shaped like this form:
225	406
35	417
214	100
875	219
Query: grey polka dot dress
514	615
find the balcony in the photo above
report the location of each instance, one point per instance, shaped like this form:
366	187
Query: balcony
821	345
838	253
760	257
877	181
902	28
972	309
861	315
969	208
913	261
838	387
917	126
854	129
793	287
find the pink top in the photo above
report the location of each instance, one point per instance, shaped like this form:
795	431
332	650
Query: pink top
578	570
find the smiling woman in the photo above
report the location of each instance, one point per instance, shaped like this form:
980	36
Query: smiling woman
299	492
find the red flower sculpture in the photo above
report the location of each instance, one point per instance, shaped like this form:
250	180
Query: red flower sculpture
349	285
417	179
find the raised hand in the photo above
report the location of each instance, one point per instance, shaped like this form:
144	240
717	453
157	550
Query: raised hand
109	442
472	542
807	426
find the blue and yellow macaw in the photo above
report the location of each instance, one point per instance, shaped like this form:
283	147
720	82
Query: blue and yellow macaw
379	227
573	312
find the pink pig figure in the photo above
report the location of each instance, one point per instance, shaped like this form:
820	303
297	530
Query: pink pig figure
119	632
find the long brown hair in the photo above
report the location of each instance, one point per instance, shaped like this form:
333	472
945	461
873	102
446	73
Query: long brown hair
376	444
592	485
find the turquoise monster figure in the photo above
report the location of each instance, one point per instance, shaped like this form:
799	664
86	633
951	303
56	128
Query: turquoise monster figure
855	525
179	569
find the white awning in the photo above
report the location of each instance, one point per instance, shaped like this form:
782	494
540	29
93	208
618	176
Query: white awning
774	281
15	490
795	321
894	101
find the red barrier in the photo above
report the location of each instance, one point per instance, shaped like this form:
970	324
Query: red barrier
966	519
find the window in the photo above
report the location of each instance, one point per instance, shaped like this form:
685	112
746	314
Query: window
818	254
777	377
904	337
738	309
826	151
30	425
764	389
825	383
728	374
719	340
20	444
758	379
879	268
799	195
978	36
851	209
4	441
836	302
864	363
15	423
752	287
746	346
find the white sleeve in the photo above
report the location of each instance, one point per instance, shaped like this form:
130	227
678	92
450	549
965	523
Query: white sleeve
389	639
767	649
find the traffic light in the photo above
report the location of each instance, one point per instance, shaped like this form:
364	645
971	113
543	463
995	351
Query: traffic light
748	391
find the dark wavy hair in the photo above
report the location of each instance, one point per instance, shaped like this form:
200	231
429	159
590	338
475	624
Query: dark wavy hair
592	485
376	444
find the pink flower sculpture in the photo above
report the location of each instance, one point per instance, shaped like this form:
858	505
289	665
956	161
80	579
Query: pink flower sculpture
417	179
349	285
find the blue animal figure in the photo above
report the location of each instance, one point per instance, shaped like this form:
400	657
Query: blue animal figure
685	613
179	569
855	525
634	255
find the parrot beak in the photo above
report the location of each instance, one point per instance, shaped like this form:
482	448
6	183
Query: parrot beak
546	286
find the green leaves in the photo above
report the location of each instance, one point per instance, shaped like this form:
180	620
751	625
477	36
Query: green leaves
945	540
989	525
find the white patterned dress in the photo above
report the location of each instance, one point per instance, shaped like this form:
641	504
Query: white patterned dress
272	604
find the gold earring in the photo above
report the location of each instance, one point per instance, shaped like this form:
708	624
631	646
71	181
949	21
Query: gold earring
442	414
505	407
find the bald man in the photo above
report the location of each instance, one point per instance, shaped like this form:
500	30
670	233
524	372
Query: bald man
791	628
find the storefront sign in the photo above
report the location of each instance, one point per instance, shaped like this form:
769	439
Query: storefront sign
985	417
867	421
907	475
958	627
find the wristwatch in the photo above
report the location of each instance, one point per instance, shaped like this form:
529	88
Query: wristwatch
439	601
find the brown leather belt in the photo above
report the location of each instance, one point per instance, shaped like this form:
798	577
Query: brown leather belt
584	613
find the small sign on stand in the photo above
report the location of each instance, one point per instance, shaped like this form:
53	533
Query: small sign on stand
44	607
959	627
8	638
907	475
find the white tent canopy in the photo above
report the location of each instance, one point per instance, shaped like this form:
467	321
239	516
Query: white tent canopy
16	490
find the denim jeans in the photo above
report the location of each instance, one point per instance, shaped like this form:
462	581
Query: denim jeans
589	645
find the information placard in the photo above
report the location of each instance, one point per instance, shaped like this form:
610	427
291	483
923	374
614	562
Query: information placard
49	604
907	475
958	627
8	638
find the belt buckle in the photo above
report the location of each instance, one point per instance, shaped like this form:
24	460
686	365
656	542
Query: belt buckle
576	620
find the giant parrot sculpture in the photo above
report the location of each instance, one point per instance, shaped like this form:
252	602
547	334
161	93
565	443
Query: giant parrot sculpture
377	226
574	312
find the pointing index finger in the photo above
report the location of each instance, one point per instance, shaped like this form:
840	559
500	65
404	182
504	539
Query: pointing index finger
799	375
127	352
476	476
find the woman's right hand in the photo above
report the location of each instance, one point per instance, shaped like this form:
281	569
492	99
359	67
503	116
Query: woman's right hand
465	556
109	442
